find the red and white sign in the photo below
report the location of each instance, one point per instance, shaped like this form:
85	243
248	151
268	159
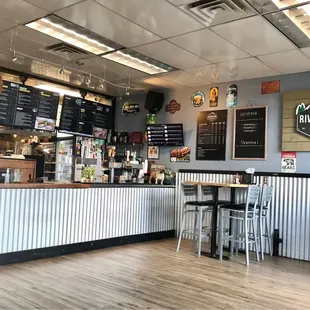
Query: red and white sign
288	162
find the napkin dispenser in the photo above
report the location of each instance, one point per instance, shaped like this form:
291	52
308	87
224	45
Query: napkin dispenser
248	178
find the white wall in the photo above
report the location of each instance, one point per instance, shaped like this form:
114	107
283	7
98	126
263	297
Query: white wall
247	90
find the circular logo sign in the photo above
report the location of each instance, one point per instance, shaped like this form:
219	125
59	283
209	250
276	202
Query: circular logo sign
198	99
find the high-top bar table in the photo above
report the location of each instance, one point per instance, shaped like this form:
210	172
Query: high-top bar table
216	187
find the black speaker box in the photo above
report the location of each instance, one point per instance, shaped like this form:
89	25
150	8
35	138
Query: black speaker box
154	101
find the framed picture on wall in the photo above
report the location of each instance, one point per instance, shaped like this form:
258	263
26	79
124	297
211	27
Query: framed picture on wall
152	152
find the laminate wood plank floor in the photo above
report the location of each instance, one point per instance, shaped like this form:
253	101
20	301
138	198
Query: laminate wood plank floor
153	276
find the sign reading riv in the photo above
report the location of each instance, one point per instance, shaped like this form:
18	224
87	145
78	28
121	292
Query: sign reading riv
303	119
250	133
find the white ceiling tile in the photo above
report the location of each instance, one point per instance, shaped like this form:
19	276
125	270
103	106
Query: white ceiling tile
180	2
255	36
171	54
157	82
209	45
20	11
183	78
106	23
214	74
6	24
52	5
158	16
287	62
306	51
27	36
249	68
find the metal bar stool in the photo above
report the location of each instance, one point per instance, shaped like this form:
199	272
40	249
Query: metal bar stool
263	218
247	214
199	208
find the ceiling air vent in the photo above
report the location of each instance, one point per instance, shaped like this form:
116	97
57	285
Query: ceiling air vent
66	51
211	12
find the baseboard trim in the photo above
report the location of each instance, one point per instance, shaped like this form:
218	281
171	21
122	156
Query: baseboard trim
28	255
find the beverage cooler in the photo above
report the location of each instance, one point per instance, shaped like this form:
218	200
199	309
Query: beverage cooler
64	160
89	154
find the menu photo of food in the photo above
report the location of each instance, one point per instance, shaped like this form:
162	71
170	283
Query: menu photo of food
43	123
181	155
100	133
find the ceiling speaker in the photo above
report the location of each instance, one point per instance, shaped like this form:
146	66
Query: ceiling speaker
154	101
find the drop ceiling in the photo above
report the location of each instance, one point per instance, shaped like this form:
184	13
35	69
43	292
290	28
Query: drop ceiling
207	41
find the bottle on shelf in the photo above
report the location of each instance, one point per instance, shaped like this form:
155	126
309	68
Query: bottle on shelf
126	137
115	137
121	138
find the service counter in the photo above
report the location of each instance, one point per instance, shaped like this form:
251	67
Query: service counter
49	219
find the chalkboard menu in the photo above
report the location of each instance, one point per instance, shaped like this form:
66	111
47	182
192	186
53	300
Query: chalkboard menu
211	135
165	135
250	130
28	107
82	116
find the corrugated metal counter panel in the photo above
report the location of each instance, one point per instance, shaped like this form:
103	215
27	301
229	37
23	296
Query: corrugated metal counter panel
38	218
290	209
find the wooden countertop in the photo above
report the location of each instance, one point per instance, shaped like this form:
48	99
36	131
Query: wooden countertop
43	185
234	185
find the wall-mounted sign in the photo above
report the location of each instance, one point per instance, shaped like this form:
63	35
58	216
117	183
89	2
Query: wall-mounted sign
214	96
173	106
211	135
270	87
303	119
152	152
130	108
198	99
250	133
288	162
181	155
232	96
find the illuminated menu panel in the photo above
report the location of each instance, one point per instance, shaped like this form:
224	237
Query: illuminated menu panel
26	107
8	98
165	135
84	117
47	111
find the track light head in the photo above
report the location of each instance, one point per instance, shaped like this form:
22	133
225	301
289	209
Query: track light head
62	69
14	58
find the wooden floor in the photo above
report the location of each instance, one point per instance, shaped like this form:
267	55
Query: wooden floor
153	276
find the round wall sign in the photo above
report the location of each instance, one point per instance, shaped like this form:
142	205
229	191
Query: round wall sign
198	99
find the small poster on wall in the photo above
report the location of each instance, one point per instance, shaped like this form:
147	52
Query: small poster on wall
214	96
288	162
152	152
198	99
232	96
270	87
173	106
181	155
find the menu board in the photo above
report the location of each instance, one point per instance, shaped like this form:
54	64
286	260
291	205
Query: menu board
83	116
250	129
165	135
8	98
47	111
27	107
211	135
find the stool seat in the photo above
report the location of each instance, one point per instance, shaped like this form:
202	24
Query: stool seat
206	203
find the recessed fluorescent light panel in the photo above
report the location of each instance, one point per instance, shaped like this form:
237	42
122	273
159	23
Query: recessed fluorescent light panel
294	22
268	6
73	34
138	61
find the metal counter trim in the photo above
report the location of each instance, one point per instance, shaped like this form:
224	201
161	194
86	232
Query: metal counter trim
40	218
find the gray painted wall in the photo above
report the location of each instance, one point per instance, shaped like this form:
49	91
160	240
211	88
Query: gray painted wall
247	90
